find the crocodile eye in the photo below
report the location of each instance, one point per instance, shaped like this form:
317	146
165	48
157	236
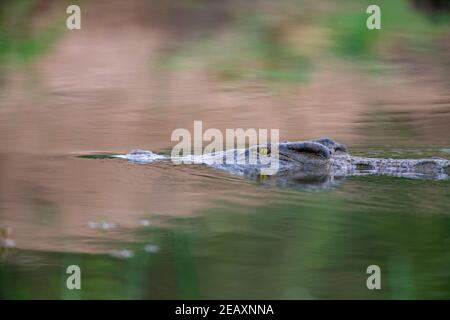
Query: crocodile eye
264	150
447	170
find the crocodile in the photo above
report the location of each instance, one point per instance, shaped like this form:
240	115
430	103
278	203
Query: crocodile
319	161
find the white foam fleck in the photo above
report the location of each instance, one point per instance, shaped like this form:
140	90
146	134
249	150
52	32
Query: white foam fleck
8	243
122	253
144	223
151	248
103	225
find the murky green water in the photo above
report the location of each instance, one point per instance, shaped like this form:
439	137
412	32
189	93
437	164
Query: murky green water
242	240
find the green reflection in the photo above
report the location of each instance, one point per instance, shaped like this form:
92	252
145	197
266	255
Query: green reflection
302	245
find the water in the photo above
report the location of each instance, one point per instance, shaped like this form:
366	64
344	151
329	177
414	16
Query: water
162	231
211	235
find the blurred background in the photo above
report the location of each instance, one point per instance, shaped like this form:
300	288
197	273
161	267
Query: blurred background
139	69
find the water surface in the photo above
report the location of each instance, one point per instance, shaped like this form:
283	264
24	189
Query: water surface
164	231
161	231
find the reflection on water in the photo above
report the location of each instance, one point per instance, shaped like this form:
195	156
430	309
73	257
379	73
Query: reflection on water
164	231
194	232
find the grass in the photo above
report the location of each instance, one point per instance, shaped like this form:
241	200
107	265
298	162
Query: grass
257	46
19	40
251	49
400	25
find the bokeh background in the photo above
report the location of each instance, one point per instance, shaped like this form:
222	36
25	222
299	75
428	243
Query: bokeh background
139	69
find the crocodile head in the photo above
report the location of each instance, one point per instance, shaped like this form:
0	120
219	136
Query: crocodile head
305	163
314	152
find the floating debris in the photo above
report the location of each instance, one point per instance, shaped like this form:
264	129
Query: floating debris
151	248
8	243
144	223
104	225
122	254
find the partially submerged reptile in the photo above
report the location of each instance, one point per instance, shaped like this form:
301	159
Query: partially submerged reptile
320	161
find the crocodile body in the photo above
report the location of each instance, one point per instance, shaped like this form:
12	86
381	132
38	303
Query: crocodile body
321	160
